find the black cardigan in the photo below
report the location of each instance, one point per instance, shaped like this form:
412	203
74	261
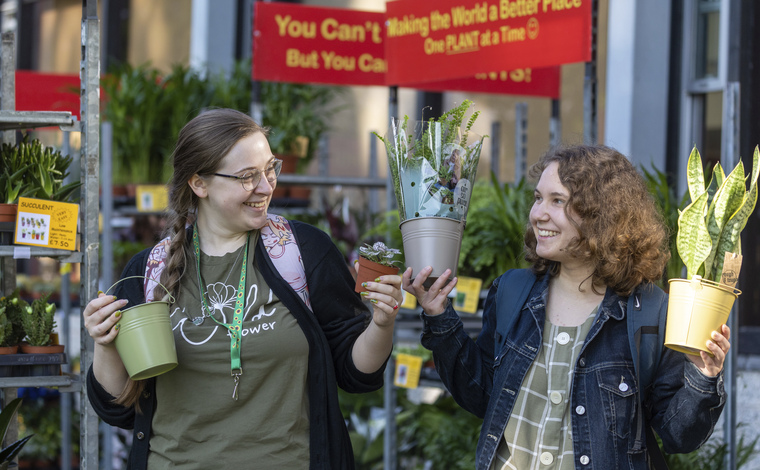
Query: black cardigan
339	318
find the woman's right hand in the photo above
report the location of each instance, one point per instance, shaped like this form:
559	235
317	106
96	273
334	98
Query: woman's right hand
100	316
434	300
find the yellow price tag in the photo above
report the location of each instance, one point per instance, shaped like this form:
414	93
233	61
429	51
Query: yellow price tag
410	301
468	294
152	197
408	369
46	223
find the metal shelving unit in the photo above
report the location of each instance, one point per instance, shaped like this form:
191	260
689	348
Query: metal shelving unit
10	120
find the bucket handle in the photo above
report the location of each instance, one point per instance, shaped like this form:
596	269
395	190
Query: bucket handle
171	297
700	280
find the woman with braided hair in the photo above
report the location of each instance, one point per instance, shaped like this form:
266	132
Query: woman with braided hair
300	335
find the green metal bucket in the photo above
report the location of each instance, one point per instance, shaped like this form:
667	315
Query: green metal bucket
145	341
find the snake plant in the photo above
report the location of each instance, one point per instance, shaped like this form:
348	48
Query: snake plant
711	224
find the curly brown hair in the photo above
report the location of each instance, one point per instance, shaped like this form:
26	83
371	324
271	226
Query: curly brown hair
621	231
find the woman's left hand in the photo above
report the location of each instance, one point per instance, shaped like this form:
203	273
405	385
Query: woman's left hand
385	295
719	346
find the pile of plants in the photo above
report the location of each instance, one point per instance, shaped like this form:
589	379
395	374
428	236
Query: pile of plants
30	169
148	108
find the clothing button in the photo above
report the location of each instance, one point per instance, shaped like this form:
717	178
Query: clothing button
140	436
547	458
584	459
623	387
580	409
582	362
563	338
555	397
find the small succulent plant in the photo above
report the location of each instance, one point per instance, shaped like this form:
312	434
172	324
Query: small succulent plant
379	253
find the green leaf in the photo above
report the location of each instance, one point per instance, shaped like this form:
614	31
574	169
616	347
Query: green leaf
693	240
727	200
695	175
729	239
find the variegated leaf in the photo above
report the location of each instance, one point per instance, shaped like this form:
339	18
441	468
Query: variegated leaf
726	202
730	241
695	175
693	240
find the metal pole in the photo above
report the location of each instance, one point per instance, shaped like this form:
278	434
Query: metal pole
496	149
590	84
89	161
66	311
257	107
106	243
521	140
390	455
555	125
373	171
729	159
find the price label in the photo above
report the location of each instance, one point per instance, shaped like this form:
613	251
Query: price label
467	294
152	197
46	223
408	369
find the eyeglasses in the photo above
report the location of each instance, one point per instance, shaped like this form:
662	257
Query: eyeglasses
251	179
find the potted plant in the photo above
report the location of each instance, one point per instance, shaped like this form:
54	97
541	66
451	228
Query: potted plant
709	245
433	167
12	307
39	321
9	453
297	116
374	261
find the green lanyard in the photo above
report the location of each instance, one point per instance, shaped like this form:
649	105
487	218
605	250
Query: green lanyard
236	327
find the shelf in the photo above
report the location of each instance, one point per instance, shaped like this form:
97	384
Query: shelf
29	119
64	256
64	383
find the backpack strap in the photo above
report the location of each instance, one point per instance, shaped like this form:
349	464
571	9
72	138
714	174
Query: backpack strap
280	245
514	288
646	335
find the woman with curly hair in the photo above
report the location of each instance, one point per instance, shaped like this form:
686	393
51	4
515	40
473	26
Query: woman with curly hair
562	392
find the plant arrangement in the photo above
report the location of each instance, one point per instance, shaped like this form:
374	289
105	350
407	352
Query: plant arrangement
38	321
708	242
147	110
32	170
710	226
375	260
9	453
433	165
12	307
380	254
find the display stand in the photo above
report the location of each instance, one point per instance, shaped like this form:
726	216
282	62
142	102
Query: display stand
10	120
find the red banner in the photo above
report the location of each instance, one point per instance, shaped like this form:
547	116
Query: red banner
302	44
47	92
295	43
543	82
442	39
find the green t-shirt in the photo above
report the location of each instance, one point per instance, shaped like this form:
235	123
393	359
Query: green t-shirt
197	424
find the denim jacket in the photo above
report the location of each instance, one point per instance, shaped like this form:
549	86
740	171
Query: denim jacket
682	405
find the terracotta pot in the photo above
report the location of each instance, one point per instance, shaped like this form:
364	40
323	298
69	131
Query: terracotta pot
8	349
27	348
369	271
8	212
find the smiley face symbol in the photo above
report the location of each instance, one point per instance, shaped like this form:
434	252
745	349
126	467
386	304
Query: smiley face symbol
533	28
